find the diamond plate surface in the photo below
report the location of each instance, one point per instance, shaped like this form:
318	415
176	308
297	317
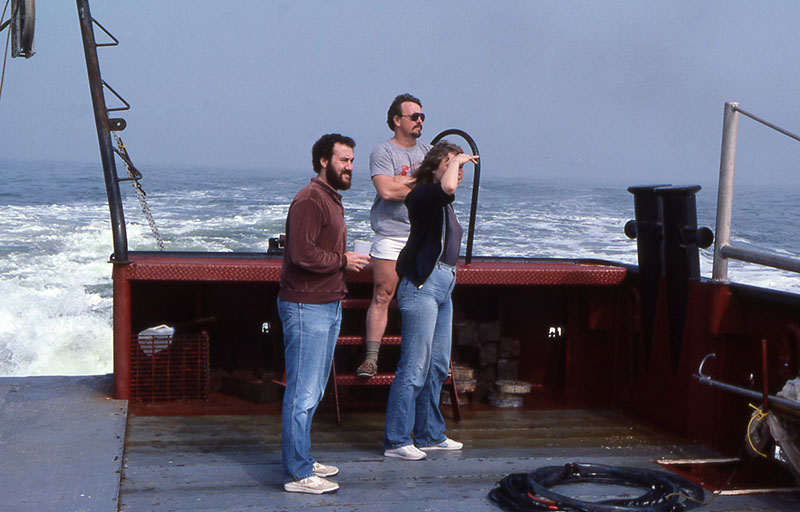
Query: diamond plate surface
490	272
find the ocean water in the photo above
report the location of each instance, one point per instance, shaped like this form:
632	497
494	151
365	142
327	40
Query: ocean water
55	239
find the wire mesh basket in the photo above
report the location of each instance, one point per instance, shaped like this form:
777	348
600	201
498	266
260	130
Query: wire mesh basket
167	368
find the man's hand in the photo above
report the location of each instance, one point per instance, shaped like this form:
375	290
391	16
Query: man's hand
356	261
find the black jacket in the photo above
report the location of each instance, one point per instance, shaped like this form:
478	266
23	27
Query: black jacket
425	205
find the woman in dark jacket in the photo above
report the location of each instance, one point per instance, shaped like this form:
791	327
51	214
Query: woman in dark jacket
427	269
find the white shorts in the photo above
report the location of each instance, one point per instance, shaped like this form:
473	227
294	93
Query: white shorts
387	247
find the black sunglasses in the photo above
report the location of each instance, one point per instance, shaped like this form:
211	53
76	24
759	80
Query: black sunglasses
414	117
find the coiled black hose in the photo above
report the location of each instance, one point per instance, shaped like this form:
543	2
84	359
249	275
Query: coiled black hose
663	492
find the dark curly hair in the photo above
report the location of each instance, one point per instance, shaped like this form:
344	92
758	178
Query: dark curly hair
323	148
395	110
432	160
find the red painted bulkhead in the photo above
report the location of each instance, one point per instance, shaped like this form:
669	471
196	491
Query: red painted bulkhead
578	326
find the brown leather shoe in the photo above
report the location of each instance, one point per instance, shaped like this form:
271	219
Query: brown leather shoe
367	369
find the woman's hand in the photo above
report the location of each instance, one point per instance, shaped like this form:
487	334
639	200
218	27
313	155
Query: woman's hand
463	158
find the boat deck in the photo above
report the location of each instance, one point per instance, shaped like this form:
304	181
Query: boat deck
61	443
233	462
66	445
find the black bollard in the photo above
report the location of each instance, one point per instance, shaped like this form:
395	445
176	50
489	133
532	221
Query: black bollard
648	231
681	257
276	245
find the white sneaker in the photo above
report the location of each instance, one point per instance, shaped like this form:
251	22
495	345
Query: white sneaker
407	452
325	471
447	444
312	485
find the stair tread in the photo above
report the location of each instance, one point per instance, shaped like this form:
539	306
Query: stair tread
359	340
381	379
351	379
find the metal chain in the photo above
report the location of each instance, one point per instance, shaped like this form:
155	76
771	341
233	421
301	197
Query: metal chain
135	176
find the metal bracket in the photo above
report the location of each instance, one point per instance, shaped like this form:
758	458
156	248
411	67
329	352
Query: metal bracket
120	98
116	124
114	41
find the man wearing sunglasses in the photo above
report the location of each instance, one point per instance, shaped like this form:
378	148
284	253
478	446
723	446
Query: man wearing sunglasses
392	165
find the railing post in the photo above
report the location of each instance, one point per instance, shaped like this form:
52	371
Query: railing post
727	166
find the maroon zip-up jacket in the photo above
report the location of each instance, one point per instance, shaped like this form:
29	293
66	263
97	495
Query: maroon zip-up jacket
313	256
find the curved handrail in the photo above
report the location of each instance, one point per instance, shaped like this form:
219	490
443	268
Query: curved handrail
476	181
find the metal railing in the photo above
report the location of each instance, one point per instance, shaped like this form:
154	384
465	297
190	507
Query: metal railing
723	249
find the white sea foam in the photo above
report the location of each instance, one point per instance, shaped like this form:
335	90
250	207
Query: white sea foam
55	300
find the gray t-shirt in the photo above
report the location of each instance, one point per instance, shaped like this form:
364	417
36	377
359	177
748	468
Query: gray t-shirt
390	218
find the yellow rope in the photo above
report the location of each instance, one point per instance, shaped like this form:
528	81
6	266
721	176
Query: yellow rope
714	495
760	416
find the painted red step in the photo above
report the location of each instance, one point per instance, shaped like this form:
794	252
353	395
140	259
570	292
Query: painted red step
359	340
381	379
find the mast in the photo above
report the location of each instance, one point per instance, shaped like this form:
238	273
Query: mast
104	128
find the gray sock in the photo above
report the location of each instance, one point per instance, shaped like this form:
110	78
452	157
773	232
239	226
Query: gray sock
372	350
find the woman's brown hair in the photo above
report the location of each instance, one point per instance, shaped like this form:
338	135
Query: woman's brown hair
432	160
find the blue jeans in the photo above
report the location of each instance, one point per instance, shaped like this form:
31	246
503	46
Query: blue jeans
427	319
309	337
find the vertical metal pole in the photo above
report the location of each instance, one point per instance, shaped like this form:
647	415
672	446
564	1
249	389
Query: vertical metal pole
473	208
727	166
764	380
103	134
122	332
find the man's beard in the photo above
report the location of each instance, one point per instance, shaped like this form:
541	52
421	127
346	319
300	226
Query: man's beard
336	180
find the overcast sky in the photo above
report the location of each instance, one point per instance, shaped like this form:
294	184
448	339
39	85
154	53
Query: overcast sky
630	91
